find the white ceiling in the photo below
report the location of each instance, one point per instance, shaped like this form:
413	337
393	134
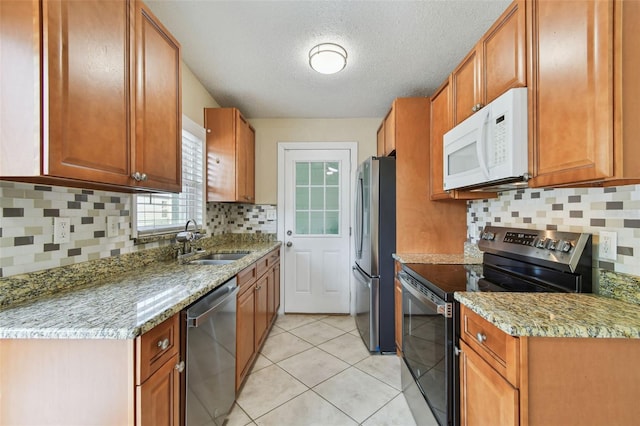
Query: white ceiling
253	55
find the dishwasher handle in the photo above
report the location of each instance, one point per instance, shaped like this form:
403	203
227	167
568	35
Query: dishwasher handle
209	304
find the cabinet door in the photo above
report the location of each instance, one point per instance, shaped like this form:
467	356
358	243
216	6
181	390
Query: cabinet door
572	91
380	140
271	296
158	123
88	55
441	123
251	166
261	320
398	316
221	153
245	334
465	87
276	286
503	48
158	399
390	132
242	152
486	398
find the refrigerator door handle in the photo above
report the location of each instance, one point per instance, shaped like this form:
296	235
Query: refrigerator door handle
361	277
359	219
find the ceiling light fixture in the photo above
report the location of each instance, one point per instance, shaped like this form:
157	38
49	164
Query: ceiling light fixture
328	58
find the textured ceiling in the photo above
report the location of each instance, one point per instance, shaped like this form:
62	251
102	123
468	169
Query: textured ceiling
254	54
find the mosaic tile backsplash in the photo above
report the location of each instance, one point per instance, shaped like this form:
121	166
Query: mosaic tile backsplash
27	213
589	210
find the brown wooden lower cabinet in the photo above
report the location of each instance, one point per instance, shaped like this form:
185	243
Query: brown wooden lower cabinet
258	303
158	399
261	320
539	381
245	334
399	316
93	381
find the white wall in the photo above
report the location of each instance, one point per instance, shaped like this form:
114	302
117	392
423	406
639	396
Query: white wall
270	131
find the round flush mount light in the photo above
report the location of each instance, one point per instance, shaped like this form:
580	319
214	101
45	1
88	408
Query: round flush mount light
328	58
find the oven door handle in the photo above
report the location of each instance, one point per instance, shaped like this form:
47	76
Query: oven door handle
431	300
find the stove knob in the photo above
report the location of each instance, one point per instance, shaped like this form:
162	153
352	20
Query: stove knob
541	242
552	244
565	246
489	236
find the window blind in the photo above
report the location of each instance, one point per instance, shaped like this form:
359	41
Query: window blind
162	212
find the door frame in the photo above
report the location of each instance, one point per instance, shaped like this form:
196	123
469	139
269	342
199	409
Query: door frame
352	147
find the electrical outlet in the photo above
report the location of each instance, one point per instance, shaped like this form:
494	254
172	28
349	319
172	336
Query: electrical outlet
61	230
271	215
608	245
112	226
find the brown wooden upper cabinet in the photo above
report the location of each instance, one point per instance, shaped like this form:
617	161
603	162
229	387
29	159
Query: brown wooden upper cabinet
230	156
496	64
386	134
111	109
583	93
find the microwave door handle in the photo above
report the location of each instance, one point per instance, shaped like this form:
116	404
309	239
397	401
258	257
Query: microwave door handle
481	148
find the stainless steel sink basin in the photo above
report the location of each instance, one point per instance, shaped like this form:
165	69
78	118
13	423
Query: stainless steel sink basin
219	258
211	261
225	256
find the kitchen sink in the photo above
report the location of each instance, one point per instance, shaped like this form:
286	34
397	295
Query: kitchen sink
219	258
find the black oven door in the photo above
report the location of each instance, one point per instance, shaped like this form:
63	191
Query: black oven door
427	341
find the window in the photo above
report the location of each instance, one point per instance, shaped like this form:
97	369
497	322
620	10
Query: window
317	198
165	213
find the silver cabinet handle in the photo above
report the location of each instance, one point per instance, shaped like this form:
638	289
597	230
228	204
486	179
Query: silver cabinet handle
163	344
179	367
258	287
289	243
481	337
139	177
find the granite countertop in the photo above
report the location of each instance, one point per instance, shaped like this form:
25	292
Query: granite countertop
555	314
128	304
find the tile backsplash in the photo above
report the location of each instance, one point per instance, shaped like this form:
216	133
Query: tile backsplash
26	225
589	210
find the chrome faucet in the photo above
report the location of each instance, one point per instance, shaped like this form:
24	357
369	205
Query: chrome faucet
186	237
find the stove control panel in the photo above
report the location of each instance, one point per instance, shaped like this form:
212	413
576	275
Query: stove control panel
557	247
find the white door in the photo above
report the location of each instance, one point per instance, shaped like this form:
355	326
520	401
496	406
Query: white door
317	196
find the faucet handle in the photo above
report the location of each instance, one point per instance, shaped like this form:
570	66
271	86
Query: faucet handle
184	236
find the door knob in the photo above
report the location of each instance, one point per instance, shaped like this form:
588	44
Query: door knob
289	244
289	232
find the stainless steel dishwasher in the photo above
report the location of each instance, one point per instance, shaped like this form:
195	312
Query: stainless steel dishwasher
211	356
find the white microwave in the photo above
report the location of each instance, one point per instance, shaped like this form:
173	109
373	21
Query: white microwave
489	149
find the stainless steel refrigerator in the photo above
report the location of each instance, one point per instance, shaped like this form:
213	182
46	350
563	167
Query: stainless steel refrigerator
375	242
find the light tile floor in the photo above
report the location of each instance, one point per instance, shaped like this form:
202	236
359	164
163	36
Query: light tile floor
315	370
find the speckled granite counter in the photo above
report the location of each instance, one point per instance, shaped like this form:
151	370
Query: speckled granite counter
126	305
555	314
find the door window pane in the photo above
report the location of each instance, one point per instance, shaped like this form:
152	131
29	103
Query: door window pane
317	196
302	198
317	223
302	173
302	222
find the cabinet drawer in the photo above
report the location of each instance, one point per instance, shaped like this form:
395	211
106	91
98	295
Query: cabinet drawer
267	262
496	347
246	278
156	346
